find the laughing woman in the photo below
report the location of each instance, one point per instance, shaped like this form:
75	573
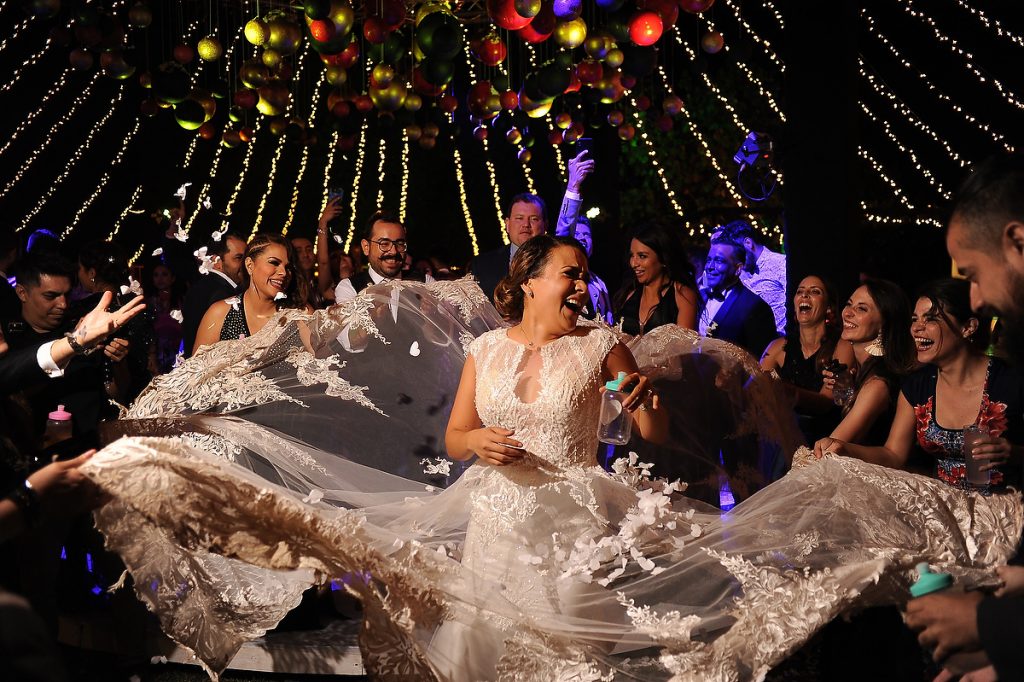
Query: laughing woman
958	385
270	266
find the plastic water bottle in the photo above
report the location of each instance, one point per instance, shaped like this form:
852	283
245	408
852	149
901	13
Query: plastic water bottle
58	427
615	424
928	582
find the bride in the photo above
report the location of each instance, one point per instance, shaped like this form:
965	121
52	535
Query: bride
258	473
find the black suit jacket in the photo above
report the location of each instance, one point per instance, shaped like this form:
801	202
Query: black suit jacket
204	292
19	370
490	268
745	320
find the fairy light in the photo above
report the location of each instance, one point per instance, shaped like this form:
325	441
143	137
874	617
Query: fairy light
27	163
754	80
61	82
17	31
896	220
137	254
103	180
404	197
492	176
649	146
992	24
907	113
304	161
360	157
329	169
936	185
380	170
1007	94
926	81
246	160
896	190
124	213
770	6
75	158
765	44
465	204
25	65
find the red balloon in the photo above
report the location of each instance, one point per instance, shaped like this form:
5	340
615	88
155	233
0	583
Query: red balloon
668	10
207	131
374	30
542	26
350	55
645	28
503	13
664	123
449	103
183	54
589	71
490	49
574	83
423	86
363	103
341	109
555	137
322	30
509	99
346	143
643	102
628	81
246	98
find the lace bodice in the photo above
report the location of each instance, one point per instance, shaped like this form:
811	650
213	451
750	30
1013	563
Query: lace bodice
558	427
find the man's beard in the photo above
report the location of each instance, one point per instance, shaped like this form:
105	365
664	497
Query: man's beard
1011	337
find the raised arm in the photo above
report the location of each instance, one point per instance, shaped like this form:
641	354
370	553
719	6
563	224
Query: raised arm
579	168
323	247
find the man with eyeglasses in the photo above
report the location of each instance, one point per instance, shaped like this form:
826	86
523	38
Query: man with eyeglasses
384	245
526	218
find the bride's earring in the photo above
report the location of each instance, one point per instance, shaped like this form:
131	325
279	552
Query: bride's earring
875	348
530	292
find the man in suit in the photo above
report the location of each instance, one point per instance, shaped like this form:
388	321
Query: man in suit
384	244
986	241
222	281
731	311
526	218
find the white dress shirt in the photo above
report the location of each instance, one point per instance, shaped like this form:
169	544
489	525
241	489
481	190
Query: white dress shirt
346	292
769	282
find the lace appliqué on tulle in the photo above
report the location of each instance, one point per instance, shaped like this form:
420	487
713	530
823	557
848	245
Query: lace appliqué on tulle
311	370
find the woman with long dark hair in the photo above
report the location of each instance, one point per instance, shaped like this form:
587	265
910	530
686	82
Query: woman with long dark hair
663	290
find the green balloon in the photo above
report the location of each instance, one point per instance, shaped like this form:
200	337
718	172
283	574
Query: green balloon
439	35
189	114
317	9
437	71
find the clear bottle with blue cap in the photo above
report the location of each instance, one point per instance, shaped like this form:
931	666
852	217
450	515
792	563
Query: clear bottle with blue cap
615	424
928	582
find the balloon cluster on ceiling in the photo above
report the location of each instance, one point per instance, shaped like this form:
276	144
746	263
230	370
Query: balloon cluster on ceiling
411	52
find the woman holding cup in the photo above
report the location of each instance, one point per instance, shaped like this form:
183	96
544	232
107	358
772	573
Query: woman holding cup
961	404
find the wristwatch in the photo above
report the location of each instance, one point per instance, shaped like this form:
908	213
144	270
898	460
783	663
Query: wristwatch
76	347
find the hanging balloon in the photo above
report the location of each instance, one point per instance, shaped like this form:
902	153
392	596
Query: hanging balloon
643	103
183	54
503	14
426	142
146	80
712	42
589	71
392	13
552	80
597	46
610	87
437	71
639	61
573	133
391	51
421	85
333	47
626	132
140	16
257	32
171	82
668	10
514	136
189	114
236	114
480	132
246	98
271	58
80	59
350	55
390	97
317	9
563	120
207	131
615	58
490	49
524	155
449	104
209	49
413	132
567	10
285	35
343	17
615	118
431	130
509	99
274	99
230	138
664	123
322	30
114	66
383	74
439	36
610	5
574	82
672	105
571	34
336	75
413	102
428	8
645	28
542	26
206	101
253	73
696	6
374	30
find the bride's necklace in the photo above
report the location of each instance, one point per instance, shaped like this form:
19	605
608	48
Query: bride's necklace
529	342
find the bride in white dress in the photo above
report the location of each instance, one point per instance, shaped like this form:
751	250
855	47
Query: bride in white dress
535	564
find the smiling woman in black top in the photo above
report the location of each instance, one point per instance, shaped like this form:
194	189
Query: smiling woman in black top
662	291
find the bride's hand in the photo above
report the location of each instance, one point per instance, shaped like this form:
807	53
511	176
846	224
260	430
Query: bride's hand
493	445
641	392
829	445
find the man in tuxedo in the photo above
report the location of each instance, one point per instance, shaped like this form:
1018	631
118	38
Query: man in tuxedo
384	244
986	241
222	281
731	311
525	219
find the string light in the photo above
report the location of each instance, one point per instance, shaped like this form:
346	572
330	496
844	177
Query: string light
360	156
996	137
75	158
936	185
304	161
25	65
380	170
754	80
194	143
328	171
103	180
42	103
124	213
765	45
137	254
896	220
462	200
246	160
770	6
649	146
908	7
992	24
907	113
897	192
17	31
404	197
492	176
27	163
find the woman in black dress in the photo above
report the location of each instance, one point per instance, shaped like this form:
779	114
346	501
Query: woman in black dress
663	290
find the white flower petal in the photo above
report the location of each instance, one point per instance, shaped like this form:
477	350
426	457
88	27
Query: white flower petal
157	252
280	296
414	349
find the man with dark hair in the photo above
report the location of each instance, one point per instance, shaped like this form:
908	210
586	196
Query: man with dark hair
986	241
223	279
764	270
731	311
526	218
384	244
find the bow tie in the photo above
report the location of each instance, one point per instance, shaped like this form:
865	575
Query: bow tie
712	295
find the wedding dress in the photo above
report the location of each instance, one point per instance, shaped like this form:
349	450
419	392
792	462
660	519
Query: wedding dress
255	471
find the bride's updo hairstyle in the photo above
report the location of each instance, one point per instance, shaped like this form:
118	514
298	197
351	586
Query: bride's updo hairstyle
529	262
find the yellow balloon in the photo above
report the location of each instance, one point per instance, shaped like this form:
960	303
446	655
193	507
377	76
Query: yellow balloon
428	8
274	99
383	74
390	97
209	49
256	31
343	18
271	57
571	34
336	75
413	102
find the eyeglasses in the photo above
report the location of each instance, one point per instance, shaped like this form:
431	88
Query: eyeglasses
385	244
